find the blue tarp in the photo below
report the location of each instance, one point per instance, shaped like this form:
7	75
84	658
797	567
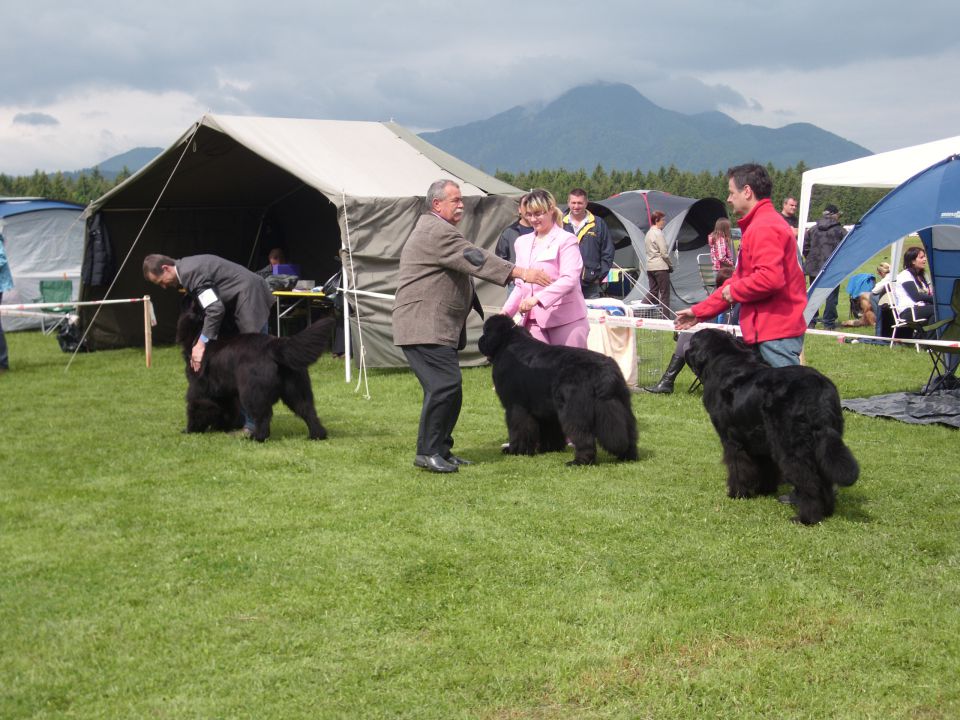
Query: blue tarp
927	204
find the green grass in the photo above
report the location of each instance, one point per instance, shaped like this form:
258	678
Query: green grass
147	573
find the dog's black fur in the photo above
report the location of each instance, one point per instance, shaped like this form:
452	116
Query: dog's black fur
251	371
551	393
776	425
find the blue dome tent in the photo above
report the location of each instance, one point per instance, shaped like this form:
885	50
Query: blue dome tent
928	204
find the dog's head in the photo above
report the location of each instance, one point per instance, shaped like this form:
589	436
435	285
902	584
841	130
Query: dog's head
497	331
189	324
707	346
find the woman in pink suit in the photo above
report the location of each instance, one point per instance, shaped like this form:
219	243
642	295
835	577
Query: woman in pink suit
555	314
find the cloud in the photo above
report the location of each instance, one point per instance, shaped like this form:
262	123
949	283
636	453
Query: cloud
429	65
92	126
34	118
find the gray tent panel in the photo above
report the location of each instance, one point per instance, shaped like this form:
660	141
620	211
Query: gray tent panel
689	221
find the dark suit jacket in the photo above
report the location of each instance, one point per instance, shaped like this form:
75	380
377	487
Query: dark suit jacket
237	290
434	287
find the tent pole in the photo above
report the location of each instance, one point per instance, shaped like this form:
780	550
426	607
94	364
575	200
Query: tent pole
148	329
344	282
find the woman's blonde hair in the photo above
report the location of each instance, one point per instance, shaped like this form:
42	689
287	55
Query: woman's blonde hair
541	201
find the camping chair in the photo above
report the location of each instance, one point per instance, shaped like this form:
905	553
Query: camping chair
55	291
708	276
948	329
903	318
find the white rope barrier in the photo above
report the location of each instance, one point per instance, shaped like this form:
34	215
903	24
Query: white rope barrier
149	318
70	303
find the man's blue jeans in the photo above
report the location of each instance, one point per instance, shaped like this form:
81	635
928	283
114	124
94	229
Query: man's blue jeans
781	353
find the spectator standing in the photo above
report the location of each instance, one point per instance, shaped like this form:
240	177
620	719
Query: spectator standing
507	239
658	263
434	296
596	245
767	281
820	241
789	212
721	247
6	283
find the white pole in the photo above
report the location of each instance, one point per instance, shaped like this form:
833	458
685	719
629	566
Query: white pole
148	330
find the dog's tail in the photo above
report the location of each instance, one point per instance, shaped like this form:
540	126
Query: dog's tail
303	349
835	460
616	426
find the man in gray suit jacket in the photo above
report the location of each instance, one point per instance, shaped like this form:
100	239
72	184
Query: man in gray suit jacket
221	287
434	296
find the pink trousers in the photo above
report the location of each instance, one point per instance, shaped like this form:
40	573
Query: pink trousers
573	334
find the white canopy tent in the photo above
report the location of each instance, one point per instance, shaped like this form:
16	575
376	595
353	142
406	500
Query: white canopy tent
882	170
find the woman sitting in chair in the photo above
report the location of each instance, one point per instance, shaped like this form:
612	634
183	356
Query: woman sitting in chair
914	292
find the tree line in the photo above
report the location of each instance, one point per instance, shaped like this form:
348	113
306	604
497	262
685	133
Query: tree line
80	188
84	187
853	202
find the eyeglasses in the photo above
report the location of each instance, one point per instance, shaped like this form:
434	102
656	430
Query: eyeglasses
535	215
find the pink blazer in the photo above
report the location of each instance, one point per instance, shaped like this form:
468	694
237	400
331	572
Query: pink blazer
561	301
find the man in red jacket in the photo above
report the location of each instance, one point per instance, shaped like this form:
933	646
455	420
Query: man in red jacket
768	281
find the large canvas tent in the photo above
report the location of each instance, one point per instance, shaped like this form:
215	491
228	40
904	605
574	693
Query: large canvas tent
927	203
322	190
689	221
43	240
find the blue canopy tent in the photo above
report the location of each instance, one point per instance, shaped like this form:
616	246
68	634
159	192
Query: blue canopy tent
928	204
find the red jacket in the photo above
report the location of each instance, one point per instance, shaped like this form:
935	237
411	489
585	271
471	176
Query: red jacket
768	281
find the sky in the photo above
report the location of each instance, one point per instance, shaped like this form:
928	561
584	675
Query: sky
87	81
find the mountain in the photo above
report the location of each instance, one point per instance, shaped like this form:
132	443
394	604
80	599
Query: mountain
613	125
133	160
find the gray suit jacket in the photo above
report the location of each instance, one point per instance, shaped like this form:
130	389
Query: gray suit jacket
236	290
434	287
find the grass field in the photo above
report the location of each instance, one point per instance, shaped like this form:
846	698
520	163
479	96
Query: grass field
149	574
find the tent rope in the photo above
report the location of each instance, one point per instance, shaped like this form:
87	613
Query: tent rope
362	363
96	314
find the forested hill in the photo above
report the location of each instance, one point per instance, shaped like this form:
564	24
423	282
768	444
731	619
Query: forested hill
615	126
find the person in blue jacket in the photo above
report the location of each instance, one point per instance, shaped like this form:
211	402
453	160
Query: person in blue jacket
6	283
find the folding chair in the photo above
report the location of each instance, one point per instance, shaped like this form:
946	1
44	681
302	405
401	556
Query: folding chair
708	276
55	291
949	330
904	318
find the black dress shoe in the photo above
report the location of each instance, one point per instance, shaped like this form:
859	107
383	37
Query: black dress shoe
454	460
434	463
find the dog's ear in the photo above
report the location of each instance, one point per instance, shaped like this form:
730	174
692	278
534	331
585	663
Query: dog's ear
496	331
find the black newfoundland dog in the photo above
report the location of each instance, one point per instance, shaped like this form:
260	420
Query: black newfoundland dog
251	371
776	425
553	393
